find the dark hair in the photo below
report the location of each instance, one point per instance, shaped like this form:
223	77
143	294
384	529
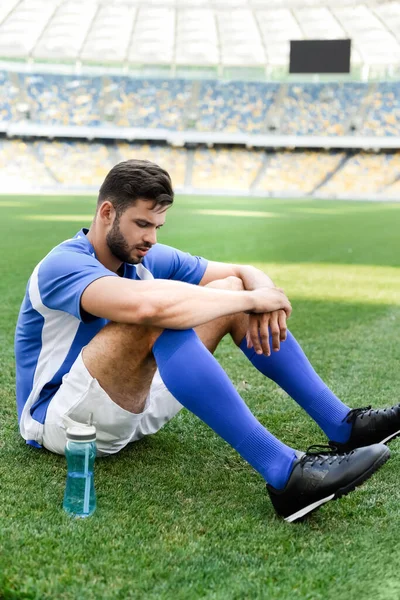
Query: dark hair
133	179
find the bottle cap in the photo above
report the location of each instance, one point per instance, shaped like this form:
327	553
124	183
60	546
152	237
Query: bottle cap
81	433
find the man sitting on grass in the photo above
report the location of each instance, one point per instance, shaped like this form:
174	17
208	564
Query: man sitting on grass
117	325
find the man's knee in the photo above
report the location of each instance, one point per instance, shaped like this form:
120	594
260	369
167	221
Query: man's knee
232	283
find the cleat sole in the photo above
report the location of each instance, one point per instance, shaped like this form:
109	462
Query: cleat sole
300	514
391	437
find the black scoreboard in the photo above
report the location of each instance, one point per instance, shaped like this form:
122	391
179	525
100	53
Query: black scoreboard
320	56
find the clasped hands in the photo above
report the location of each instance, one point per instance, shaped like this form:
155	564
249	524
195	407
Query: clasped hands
260	327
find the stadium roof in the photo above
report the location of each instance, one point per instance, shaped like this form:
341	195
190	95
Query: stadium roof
194	32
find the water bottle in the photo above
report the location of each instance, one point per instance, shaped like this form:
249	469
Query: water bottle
80	451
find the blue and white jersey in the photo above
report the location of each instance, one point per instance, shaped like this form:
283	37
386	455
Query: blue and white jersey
51	329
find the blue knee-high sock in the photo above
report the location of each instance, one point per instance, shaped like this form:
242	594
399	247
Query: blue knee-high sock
197	381
292	371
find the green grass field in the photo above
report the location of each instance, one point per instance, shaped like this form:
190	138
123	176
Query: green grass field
180	515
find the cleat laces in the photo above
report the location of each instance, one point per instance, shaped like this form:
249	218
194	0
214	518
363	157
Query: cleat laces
320	453
355	412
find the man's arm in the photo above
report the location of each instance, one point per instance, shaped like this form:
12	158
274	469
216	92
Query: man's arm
260	324
252	278
173	304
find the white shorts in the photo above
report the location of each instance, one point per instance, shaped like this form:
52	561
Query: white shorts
80	394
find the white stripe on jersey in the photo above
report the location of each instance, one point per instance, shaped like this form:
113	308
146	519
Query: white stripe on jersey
143	272
54	351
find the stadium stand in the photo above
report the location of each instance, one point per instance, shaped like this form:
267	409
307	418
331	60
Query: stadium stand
235	106
298	172
7	97
225	107
79	164
63	100
212	106
393	191
315	109
174	160
233	169
20	167
75	163
151	103
93	101
383	117
364	173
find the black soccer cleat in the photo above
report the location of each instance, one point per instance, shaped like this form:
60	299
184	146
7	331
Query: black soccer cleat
322	474
370	426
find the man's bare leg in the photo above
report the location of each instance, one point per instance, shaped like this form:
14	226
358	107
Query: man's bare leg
120	356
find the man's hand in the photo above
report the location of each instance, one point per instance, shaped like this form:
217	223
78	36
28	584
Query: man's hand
257	335
267	299
271	309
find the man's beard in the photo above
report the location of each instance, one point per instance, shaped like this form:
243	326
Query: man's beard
119	247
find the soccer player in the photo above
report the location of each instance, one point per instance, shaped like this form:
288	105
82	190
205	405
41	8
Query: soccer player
116	325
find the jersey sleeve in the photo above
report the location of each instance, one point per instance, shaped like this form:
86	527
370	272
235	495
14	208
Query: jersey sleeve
64	276
166	262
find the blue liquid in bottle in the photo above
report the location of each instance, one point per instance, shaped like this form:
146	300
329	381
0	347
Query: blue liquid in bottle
80	452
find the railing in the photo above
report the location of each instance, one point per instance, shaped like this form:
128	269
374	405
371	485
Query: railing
180	138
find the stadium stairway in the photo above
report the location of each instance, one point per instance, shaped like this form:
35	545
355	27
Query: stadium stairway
114	154
261	171
276	110
389	185
107	100
189	168
361	112
191	112
373	90
331	174
35	151
20	97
